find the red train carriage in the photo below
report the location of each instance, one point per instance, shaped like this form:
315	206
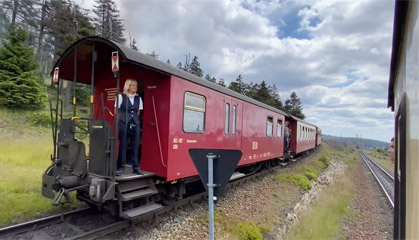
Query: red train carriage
181	111
303	135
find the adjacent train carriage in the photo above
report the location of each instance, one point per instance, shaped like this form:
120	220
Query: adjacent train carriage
403	98
318	136
181	111
303	135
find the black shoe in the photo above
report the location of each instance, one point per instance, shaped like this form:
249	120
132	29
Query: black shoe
119	171
138	172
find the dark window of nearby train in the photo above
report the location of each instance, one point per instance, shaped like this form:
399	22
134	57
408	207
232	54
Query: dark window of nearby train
233	131
279	129
227	119
269	126
194	113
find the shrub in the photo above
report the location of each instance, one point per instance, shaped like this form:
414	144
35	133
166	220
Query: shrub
310	173
325	161
298	180
248	231
40	118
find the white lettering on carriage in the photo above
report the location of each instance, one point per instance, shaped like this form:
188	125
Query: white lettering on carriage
110	94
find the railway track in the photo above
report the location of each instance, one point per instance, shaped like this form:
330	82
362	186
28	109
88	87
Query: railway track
384	179
88	223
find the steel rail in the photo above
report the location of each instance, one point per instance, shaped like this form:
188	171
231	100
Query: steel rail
366	160
378	165
103	231
39	223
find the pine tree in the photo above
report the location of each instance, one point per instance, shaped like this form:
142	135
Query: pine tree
238	85
153	54
108	21
195	68
19	85
65	24
293	106
22	12
222	83
179	65
133	46
209	78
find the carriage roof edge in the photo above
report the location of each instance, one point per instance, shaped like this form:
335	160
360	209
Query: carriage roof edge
144	60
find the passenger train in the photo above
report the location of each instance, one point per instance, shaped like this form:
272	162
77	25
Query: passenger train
403	98
181	112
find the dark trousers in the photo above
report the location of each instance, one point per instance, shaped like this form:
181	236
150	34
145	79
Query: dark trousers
131	137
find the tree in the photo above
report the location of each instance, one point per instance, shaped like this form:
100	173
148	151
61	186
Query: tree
293	106
107	21
19	85
179	65
209	78
275	100
133	46
221	82
65	24
153	54
168	61
22	12
195	68
238	85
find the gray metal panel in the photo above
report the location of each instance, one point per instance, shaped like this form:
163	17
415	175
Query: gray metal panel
99	162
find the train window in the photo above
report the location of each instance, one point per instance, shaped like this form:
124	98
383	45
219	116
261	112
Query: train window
234	120
227	119
194	113
269	126
279	129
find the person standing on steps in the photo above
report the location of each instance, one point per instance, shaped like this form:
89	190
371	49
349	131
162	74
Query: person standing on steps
130	106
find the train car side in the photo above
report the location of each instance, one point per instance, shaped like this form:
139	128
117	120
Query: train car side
203	118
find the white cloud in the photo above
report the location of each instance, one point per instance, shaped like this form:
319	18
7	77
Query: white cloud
339	67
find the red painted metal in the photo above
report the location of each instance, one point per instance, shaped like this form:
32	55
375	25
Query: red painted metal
164	143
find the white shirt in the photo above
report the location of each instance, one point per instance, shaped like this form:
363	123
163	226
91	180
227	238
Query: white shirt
131	99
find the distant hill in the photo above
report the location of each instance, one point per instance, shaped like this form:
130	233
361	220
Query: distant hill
357	142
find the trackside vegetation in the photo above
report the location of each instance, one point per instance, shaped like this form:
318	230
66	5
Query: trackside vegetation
25	150
324	219
248	231
296	179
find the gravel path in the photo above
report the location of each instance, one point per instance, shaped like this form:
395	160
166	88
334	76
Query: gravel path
373	214
276	205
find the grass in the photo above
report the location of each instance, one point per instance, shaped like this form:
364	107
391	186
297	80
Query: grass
247	231
310	173
296	179
382	159
323	221
25	152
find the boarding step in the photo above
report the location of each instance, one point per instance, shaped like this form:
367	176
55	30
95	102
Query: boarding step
136	184
135	212
138	194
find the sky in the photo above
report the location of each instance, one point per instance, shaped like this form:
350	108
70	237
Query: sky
335	54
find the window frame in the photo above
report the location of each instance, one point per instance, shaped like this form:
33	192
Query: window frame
234	120
279	123
267	123
193	108
227	118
